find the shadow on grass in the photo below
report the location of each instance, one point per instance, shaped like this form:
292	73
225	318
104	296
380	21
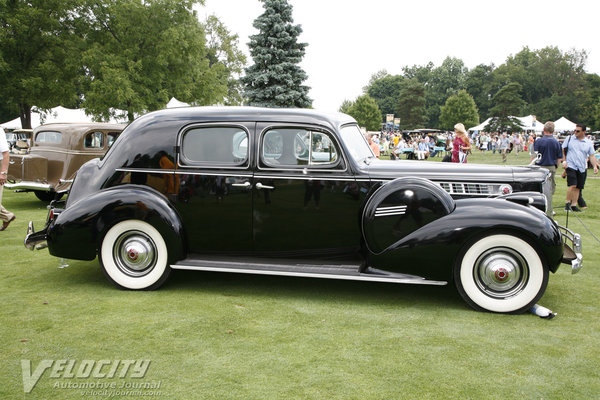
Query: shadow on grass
88	275
376	293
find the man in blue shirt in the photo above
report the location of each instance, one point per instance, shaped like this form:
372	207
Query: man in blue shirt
549	154
577	149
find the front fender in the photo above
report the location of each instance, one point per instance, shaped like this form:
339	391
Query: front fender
78	231
432	250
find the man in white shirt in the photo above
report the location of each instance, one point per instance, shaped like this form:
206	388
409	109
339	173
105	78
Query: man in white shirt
6	216
576	150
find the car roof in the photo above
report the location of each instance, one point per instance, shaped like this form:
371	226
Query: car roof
78	127
235	113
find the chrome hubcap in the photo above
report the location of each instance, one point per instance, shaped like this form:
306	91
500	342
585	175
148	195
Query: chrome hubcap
134	253
501	272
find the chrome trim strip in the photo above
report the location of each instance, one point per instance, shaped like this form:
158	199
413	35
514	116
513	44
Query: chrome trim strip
389	211
237	174
307	177
147	170
94	152
361	277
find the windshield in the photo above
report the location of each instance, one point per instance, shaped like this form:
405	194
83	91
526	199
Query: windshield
356	143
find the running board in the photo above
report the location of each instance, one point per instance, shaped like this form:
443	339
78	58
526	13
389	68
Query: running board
304	270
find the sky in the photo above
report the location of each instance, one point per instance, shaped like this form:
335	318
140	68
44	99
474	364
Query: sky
349	41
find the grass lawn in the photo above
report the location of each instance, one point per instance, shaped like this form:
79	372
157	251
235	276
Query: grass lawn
219	336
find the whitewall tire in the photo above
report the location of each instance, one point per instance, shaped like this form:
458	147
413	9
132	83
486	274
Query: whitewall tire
134	256
501	273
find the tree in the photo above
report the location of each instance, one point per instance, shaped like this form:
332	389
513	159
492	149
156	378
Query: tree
385	90
445	81
346	106
508	104
411	105
275	79
223	49
37	48
365	111
459	108
553	82
478	85
139	54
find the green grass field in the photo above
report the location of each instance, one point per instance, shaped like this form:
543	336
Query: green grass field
219	336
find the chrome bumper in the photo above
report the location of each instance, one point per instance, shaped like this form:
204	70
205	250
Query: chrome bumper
35	240
571	249
26	185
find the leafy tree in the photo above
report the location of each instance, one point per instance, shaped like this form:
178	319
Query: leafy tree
478	84
346	106
385	90
553	82
445	81
411	105
223	50
459	108
275	79
37	48
508	104
139	54
366	113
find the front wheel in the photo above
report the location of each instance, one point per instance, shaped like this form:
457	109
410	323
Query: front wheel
501	273
134	256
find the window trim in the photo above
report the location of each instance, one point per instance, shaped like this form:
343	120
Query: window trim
185	163
339	166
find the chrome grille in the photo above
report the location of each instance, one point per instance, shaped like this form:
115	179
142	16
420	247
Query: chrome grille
471	189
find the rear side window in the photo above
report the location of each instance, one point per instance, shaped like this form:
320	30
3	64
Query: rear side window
215	145
94	140
293	147
48	137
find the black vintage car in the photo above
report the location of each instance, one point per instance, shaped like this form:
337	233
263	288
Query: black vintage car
299	193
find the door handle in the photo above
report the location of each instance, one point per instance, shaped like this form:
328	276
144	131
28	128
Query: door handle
261	186
244	185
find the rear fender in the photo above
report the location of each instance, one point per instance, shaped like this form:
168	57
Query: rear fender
78	231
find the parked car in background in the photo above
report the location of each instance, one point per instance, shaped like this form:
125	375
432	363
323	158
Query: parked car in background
300	193
57	152
19	139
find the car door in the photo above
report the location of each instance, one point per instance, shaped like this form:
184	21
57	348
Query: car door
306	201
214	179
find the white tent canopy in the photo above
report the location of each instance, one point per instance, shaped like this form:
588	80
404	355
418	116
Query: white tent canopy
562	124
173	103
481	126
528	123
57	114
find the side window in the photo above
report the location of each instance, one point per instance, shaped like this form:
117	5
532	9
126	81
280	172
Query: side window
215	145
48	137
294	147
93	140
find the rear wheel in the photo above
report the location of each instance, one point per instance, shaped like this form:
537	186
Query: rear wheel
134	256
501	273
47	196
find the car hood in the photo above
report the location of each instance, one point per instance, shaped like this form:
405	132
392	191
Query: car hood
438	171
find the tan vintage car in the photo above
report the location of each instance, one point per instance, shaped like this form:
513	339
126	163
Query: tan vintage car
57	152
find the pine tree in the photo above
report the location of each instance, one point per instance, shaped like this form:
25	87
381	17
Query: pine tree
275	79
